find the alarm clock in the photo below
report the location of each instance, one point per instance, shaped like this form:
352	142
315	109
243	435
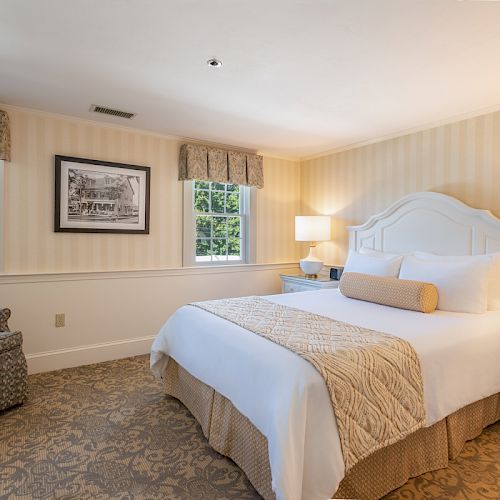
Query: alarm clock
336	272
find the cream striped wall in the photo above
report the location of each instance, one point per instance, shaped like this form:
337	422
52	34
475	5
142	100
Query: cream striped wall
30	244
111	315
277	205
461	159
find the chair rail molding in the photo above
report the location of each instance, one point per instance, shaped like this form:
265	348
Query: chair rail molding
12	278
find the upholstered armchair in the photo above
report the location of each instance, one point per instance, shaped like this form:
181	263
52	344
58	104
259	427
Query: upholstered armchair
13	369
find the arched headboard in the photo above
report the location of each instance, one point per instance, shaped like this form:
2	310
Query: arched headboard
429	222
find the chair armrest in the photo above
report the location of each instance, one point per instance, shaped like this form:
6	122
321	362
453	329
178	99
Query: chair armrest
10	340
4	317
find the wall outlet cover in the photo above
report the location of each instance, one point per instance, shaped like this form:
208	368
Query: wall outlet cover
60	320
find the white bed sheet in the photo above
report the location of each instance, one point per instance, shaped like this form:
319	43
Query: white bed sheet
286	398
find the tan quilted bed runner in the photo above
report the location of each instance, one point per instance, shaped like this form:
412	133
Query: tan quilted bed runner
373	378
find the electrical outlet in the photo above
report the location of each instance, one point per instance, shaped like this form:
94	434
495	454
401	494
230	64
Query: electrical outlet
60	320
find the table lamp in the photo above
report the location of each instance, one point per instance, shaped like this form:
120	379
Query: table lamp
312	228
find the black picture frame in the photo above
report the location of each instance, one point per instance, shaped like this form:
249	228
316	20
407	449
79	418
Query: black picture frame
76	214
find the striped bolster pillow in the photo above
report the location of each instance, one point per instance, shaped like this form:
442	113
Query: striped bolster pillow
389	291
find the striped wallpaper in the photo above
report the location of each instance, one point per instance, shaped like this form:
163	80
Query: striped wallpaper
277	205
30	244
461	159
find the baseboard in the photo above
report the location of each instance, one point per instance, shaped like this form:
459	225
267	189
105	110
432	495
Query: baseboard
87	354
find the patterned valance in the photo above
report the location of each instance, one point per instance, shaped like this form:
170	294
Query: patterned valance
204	163
4	136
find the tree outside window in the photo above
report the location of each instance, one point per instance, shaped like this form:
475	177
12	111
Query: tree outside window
219	216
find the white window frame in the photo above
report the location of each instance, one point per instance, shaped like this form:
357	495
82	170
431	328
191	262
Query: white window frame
248	232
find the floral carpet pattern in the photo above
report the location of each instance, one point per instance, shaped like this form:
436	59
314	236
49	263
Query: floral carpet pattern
108	431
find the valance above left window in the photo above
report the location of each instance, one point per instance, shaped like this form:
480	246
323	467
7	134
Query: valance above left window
205	163
4	136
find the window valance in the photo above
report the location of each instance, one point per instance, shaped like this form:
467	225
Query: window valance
4	136
205	163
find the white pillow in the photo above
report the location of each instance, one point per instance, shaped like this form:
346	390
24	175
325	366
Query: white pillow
462	285
494	276
368	264
377	253
494	289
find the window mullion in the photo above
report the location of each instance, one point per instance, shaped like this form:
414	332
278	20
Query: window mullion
211	239
227	237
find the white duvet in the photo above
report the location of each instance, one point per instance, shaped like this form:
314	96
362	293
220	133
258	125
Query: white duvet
286	398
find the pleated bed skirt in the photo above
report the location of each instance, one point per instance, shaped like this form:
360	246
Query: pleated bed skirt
233	435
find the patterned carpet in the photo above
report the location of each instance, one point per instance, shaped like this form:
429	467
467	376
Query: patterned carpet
107	431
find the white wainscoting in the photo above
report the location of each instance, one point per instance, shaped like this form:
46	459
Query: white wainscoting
111	315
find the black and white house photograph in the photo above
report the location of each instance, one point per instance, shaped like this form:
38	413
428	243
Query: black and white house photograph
98	196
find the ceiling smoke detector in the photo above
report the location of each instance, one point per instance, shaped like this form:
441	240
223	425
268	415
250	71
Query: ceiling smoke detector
110	111
214	63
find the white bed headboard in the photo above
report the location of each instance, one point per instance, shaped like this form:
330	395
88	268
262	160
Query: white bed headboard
429	222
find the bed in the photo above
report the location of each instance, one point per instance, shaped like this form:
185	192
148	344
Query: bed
268	409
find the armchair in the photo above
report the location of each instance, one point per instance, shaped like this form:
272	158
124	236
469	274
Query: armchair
13	368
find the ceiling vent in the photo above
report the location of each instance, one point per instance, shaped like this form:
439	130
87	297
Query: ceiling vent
113	112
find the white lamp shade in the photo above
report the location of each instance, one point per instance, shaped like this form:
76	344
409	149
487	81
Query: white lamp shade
312	228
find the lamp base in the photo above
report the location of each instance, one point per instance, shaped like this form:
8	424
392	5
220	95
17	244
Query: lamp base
311	276
311	265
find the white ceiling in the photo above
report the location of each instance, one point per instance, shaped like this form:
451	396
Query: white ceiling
299	77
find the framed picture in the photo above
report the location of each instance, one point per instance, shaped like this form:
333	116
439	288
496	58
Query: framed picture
95	196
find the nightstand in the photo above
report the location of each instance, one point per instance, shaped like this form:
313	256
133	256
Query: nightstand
299	283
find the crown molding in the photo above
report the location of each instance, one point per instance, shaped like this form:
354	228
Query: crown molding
295	159
402	133
328	152
125	128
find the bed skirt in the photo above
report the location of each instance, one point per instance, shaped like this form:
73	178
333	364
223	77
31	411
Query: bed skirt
233	435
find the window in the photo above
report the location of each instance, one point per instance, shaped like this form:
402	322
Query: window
216	223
